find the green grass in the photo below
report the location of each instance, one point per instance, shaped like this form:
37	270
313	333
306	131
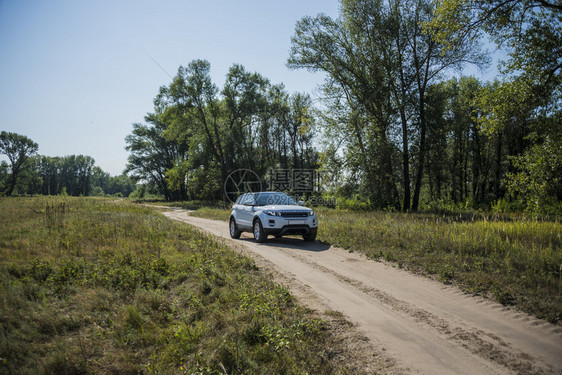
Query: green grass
213	213
97	286
513	259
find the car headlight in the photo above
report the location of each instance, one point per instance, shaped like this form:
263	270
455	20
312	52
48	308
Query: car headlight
310	213
273	213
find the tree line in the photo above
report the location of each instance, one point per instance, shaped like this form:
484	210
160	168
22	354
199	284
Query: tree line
405	134
29	173
391	128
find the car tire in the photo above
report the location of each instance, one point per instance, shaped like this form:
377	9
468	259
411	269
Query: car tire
233	229
311	236
259	233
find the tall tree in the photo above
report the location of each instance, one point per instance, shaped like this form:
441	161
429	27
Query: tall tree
380	59
195	93
430	61
19	149
4	168
356	75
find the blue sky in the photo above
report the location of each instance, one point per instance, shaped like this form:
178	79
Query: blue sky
75	75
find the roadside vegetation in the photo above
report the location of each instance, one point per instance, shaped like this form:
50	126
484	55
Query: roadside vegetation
512	258
99	286
213	213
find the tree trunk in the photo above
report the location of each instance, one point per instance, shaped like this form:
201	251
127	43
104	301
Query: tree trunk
12	184
419	173
405	162
498	166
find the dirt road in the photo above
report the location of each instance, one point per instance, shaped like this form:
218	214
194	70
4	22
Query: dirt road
425	326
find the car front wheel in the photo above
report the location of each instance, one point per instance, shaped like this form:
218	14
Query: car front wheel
311	236
234	232
259	234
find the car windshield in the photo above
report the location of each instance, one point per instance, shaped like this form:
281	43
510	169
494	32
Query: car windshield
264	199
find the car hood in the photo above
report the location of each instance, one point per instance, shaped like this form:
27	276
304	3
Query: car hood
284	207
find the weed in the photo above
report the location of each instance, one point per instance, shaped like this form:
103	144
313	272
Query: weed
502	296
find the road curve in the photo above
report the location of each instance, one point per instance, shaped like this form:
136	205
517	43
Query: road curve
425	326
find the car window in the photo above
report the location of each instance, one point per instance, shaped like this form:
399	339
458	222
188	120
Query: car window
243	198
251	199
248	199
239	199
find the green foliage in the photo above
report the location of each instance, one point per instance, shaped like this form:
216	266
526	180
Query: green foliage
91	285
380	67
205	183
538	184
4	172
356	203
199	134
74	175
527	99
152	155
18	148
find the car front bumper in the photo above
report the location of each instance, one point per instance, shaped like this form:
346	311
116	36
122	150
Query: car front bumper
282	226
290	229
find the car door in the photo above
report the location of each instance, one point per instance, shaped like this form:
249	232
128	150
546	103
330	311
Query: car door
246	211
240	208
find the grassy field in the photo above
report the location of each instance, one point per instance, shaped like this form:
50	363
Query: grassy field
513	259
99	286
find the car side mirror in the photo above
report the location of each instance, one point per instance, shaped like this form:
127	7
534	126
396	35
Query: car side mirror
301	203
248	204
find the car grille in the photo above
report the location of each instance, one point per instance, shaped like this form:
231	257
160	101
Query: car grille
294	213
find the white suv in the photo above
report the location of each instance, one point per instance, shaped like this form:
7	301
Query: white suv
272	213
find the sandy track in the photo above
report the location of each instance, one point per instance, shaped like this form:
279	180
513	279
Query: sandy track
425	326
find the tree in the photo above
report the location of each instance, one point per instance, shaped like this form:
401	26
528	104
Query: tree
19	149
528	97
249	124
49	170
538	181
119	185
30	181
83	170
195	96
152	155
245	102
4	169
463	164
100	181
356	77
